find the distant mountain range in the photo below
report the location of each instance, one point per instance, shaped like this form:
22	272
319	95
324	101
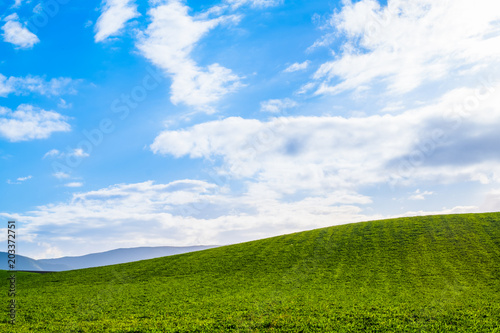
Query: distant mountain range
118	256
27	264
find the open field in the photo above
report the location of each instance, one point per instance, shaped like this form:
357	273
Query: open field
421	274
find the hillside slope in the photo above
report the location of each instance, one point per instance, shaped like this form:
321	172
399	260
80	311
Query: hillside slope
420	274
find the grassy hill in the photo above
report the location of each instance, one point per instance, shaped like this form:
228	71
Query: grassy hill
421	274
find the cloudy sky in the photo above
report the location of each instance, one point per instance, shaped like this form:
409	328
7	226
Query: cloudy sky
129	123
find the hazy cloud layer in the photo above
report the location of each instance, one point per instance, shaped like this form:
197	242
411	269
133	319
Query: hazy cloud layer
36	84
178	213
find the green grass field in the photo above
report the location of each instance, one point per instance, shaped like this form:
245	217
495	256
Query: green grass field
421	274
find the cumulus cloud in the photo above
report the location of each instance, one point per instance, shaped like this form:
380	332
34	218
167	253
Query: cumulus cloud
299	155
36	84
296	155
297	67
30	123
406	44
115	14
15	33
168	43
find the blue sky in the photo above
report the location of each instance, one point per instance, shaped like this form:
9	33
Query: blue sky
166	122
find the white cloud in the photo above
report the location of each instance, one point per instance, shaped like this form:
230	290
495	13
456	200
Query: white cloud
296	154
50	251
15	33
297	67
74	184
52	153
306	88
5	89
61	175
78	152
36	84
233	5
64	105
38	9
277	105
254	3
19	180
29	123
324	41
410	43
168	43
115	13
418	195
17	4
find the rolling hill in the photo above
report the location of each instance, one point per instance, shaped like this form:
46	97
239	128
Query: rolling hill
419	274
